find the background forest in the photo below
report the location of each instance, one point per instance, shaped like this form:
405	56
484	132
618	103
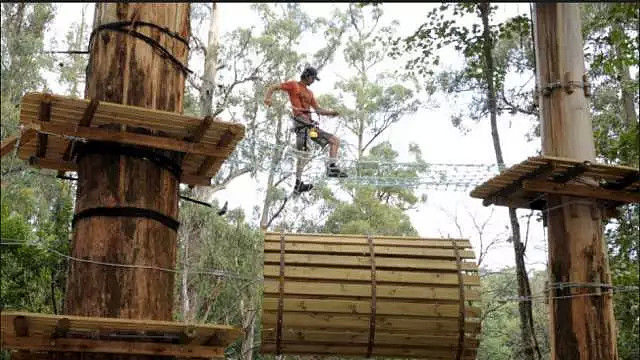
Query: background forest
387	77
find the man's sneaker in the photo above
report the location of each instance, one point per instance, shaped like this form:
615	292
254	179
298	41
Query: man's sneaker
333	171
301	187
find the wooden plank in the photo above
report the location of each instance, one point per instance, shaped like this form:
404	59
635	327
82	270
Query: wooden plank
365	261
46	323
397	292
390	276
360	250
625	182
68	116
8	144
362	240
290	335
364	307
361	322
571	172
201	130
505	192
110	347
131	138
211	160
53	164
581	191
126	113
425	353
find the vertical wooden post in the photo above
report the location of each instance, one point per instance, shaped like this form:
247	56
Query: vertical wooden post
127	70
582	327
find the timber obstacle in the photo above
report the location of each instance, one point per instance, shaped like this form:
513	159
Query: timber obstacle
62	133
384	296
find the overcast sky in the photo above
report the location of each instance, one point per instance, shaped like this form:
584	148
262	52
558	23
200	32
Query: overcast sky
430	127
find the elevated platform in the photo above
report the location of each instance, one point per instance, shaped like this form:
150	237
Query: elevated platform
524	185
65	333
52	124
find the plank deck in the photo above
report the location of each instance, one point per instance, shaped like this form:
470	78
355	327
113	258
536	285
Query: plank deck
524	185
67	333
69	122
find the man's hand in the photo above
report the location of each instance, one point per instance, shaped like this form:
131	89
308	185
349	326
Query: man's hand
332	113
267	101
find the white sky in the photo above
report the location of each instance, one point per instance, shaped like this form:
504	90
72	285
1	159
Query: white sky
430	127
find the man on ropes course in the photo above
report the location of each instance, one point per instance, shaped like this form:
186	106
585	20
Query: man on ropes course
302	99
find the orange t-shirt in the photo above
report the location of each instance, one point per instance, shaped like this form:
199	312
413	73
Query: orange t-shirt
300	96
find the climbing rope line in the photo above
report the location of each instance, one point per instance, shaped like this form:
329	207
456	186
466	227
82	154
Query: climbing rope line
212	272
229	275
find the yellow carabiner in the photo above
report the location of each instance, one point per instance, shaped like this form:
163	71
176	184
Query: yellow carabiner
313	133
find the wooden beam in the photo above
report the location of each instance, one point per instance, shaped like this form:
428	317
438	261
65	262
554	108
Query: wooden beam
225	140
52	164
131	138
572	172
62	328
627	180
201	130
110	347
20	326
513	187
580	191
85	121
8	144
44	116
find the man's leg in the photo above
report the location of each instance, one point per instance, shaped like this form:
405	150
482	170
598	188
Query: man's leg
301	160
334	143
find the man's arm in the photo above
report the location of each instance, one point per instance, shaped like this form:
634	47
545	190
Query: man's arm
322	111
269	93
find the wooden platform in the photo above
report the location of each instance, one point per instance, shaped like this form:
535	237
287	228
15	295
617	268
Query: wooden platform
52	123
524	185
65	333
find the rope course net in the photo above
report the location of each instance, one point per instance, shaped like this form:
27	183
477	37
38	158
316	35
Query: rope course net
439	176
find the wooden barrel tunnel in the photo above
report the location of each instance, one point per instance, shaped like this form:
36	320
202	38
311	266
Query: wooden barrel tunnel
358	295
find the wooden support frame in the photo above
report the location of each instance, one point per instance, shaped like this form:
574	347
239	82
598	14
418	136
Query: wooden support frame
10	142
525	185
580	191
65	333
60	122
45	116
512	188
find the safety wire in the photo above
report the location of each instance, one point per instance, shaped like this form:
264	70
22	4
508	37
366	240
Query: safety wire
608	288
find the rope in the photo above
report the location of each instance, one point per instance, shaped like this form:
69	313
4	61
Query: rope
120	27
225	274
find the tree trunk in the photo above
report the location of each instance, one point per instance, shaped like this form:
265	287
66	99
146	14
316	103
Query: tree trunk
210	63
248	324
276	158
582	322
125	70
524	307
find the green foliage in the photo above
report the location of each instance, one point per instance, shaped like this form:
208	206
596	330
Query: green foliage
500	336
511	46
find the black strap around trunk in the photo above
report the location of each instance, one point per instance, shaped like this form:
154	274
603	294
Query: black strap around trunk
127	212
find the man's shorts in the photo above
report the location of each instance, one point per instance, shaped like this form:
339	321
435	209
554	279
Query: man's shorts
302	132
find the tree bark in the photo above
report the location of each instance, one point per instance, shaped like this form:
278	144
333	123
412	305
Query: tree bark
524	307
210	63
123	69
582	322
